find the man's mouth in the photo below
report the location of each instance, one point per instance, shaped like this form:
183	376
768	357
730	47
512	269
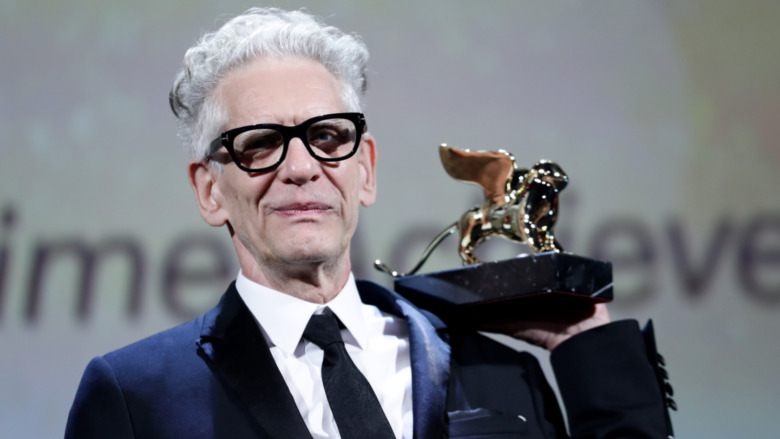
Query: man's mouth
303	208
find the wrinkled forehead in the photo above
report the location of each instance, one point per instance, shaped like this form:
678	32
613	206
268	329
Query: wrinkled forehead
284	90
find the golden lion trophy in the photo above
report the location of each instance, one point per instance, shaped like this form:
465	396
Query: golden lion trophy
520	205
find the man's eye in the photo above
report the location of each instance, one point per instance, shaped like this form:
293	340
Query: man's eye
257	141
322	136
330	135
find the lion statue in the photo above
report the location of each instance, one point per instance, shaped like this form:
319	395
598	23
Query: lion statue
520	204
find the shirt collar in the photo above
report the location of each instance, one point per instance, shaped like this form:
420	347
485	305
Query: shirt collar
283	317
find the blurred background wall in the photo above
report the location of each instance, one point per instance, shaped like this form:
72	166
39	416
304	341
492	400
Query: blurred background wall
664	114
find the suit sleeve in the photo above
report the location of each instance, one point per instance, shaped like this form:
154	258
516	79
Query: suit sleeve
611	383
99	409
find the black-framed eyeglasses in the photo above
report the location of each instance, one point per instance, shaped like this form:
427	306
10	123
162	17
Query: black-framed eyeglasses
262	147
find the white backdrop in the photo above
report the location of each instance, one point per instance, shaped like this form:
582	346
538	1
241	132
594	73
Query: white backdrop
663	114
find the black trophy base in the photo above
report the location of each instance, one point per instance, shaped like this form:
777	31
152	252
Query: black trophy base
534	287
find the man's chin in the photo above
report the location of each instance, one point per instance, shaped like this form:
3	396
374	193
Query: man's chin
308	244
310	253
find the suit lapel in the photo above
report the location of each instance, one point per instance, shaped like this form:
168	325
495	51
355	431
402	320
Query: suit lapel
234	345
238	353
430	357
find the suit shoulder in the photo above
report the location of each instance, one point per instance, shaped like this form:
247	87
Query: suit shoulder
169	344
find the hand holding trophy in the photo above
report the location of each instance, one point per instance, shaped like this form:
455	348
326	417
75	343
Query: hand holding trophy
535	297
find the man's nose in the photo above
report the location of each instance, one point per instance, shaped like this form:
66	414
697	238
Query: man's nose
298	166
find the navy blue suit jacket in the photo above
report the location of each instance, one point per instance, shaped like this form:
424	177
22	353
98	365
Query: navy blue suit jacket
214	377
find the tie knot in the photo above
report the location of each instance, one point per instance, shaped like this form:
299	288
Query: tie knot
323	330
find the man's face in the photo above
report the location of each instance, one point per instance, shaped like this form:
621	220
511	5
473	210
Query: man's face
305	211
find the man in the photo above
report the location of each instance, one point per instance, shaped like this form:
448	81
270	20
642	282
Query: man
270	108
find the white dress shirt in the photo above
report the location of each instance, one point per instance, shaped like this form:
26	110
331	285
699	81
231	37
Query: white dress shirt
377	342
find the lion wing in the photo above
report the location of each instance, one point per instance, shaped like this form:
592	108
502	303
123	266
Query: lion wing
492	170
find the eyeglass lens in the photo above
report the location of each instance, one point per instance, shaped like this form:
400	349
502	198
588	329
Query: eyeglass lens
327	139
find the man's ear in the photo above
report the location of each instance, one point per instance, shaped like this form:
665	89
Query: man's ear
367	160
204	184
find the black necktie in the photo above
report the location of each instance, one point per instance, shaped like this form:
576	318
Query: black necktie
355	407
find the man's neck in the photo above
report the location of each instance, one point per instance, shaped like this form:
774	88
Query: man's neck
316	283
312	281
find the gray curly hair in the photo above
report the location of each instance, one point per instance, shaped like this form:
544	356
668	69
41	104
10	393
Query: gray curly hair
259	32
